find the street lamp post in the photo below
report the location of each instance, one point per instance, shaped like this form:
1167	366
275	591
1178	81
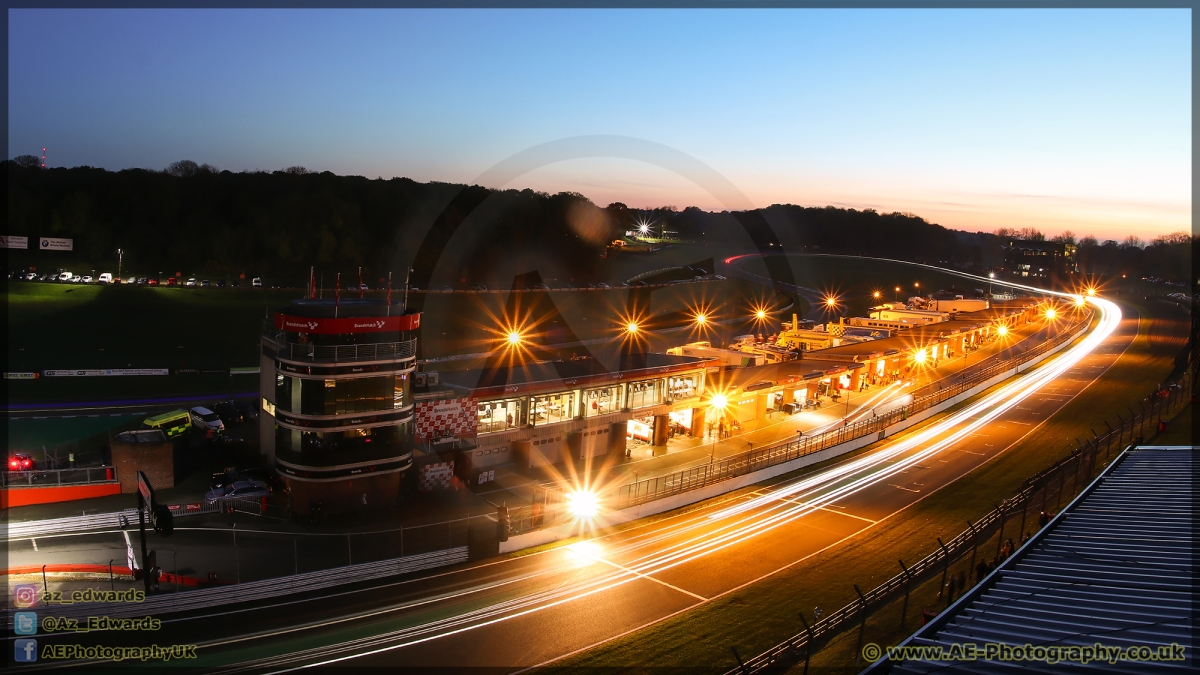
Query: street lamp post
120	259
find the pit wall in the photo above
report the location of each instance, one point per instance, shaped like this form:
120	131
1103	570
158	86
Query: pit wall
552	534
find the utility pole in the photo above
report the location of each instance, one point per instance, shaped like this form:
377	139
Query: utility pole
120	258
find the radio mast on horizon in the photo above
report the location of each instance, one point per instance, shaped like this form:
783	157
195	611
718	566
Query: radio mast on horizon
43	158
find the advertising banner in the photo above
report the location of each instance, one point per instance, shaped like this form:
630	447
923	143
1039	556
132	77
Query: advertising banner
21	376
326	326
439	419
56	244
13	242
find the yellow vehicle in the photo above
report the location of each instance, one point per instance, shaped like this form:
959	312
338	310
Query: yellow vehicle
172	423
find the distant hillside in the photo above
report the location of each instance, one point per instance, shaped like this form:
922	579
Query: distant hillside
197	220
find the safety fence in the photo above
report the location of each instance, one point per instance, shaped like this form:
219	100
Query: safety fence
651	489
1046	491
51	477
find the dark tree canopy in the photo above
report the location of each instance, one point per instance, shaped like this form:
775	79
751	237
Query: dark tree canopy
194	218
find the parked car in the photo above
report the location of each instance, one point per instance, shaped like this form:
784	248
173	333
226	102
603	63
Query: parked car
190	282
255	474
171	281
31	276
479	287
205	419
363	287
602	285
204	283
46	277
20	462
87	278
248	408
142	281
541	287
238	490
130	280
220	283
228	412
76	279
152	281
256	282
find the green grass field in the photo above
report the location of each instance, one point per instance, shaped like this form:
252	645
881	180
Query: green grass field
59	326
763	614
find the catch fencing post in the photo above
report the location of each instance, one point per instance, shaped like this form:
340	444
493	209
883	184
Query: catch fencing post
907	588
741	666
111	584
862	626
974	543
1024	512
1000	537
807	645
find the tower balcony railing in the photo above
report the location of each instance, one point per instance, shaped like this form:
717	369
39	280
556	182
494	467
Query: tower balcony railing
372	351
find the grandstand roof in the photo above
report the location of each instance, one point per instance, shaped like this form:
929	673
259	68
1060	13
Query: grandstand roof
1115	567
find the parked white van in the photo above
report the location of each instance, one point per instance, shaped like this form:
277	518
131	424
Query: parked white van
105	278
65	276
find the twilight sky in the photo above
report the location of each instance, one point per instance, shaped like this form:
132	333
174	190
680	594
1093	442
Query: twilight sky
975	119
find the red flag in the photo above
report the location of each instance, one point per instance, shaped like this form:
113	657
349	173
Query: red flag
312	284
360	283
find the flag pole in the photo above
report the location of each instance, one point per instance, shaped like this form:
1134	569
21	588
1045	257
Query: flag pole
389	295
337	294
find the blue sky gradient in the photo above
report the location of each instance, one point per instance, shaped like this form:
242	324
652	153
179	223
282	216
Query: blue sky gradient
976	119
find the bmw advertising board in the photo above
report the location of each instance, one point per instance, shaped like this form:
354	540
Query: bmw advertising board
56	244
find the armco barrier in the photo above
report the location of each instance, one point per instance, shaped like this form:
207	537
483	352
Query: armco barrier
751	468
290	586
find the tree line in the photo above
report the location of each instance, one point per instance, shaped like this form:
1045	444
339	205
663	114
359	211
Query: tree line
195	218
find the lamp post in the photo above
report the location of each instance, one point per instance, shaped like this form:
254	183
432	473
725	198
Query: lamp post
120	259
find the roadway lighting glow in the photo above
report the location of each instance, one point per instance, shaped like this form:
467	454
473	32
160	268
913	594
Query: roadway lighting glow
830	302
991	275
584	552
631	327
1002	331
875	295
760	314
1079	301
718	401
919	357
1091	291
917	284
644	229
701	319
1050	313
514	338
583	505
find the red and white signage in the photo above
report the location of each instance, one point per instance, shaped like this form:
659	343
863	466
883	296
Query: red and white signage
452	417
362	324
435	476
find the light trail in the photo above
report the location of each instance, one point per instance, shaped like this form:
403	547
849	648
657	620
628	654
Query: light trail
740	523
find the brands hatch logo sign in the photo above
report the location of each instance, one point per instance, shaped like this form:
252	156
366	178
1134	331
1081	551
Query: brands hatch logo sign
310	325
371	324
